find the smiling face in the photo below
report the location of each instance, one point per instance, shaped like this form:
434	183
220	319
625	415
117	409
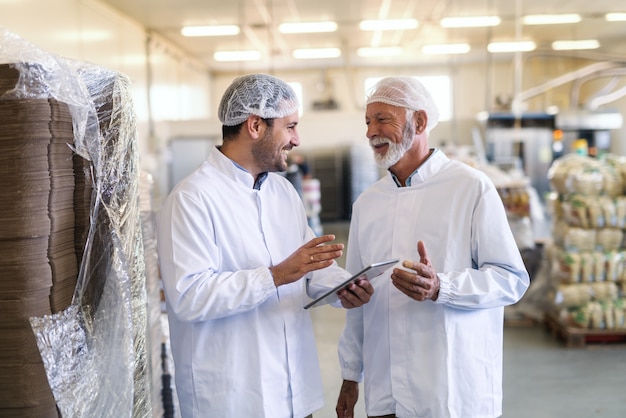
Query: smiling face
270	153
389	134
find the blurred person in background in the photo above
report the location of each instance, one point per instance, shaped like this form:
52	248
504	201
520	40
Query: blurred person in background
299	174
429	342
238	261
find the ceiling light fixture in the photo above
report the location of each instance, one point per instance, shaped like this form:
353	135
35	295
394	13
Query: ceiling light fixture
516	46
389	24
573	45
316	53
446	49
216	30
223	56
551	19
615	17
307	27
470	21
389	51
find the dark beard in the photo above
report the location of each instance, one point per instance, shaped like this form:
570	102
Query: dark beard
264	154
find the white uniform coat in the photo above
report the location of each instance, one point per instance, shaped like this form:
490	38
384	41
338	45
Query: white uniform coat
433	359
241	346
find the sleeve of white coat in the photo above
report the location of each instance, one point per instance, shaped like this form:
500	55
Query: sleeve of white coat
189	262
498	277
351	340
351	346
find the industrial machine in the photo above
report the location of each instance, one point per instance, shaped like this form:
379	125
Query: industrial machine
522	143
591	128
532	141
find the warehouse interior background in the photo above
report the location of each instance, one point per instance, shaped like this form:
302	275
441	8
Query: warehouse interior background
504	107
177	82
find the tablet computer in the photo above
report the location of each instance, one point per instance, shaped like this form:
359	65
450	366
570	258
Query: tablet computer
368	273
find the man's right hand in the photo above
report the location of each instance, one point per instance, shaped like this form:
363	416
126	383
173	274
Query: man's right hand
313	255
348	395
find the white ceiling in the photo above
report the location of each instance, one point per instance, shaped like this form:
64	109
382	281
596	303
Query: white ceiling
259	19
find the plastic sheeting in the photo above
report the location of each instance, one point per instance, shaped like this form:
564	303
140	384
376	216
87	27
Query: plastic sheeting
155	337
94	351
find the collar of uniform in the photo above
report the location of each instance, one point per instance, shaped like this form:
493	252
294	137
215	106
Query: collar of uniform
425	170
234	171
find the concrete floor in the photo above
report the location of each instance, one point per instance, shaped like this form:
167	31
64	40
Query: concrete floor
542	378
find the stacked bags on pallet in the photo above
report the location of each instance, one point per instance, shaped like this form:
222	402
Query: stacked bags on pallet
588	258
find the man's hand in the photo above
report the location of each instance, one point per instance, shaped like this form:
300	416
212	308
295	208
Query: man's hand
423	283
357	294
313	255
348	395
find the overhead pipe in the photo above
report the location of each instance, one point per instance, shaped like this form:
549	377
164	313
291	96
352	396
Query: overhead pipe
608	87
607	98
613	72
560	80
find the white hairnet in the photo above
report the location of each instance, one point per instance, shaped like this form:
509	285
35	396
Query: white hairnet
405	92
256	94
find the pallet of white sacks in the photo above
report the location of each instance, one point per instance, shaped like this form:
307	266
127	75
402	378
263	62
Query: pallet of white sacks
577	337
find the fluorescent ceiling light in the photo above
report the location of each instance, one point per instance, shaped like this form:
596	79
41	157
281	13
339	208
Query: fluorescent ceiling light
470	21
216	30
237	56
390	24
551	19
316	53
615	17
571	45
389	51
307	27
446	49
518	46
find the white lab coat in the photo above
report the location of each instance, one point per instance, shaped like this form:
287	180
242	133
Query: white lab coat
433	359
241	346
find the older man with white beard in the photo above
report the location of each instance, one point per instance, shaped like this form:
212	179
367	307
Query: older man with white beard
429	342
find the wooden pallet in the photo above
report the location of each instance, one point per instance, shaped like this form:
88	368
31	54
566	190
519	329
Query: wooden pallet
520	322
576	337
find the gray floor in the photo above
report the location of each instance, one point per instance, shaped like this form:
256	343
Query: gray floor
542	378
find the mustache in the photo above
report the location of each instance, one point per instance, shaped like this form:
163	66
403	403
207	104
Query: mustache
379	141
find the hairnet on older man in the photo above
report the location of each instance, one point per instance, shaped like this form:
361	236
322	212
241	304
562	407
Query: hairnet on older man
406	92
262	95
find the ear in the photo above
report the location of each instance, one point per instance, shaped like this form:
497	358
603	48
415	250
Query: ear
254	125
421	120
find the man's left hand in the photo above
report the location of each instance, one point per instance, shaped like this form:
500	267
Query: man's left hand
356	294
420	284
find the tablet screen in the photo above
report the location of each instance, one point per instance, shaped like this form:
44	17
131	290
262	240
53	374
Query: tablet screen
369	272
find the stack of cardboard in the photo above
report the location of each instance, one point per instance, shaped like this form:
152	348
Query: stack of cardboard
37	257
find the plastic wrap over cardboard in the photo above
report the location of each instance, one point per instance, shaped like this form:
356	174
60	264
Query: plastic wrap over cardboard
94	351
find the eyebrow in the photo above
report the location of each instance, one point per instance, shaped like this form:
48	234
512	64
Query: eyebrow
380	114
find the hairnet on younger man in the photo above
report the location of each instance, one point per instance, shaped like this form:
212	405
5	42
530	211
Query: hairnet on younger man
262	95
406	92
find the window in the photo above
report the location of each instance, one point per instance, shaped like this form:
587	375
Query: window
439	86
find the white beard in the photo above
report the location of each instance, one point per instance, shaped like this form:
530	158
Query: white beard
395	151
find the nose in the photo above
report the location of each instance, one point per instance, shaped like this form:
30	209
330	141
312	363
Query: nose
295	139
371	130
